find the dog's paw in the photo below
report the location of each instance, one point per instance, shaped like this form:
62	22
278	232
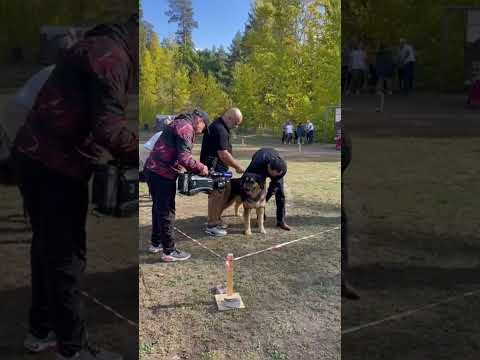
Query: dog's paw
263	231
247	232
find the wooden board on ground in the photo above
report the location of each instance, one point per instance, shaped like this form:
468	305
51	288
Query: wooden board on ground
222	304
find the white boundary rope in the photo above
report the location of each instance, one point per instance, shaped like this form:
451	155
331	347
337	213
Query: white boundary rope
199	243
274	247
410	312
109	309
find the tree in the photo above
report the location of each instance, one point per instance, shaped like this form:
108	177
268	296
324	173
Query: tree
208	95
236	55
181	12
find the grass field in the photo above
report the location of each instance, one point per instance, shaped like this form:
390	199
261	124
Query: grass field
291	295
415	225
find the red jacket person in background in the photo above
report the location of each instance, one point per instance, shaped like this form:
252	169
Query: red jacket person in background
171	155
82	104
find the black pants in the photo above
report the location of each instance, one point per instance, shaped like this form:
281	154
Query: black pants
310	137
57	208
288	138
401	80
408	76
279	200
163	193
344	241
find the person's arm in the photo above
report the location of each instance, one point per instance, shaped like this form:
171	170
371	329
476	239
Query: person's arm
184	149
274	183
229	160
109	125
271	188
223	153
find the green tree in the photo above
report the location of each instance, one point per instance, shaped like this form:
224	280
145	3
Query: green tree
207	94
181	12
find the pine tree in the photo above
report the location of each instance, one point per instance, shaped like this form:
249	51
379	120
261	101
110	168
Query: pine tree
181	12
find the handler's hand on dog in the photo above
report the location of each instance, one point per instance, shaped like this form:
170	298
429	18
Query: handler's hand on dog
204	172
240	170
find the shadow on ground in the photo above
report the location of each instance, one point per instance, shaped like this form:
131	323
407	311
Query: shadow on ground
118	289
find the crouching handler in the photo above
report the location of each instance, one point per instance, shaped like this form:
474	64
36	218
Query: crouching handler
171	154
267	163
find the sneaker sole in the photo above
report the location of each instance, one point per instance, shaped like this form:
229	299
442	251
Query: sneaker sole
168	259
214	234
41	348
155	251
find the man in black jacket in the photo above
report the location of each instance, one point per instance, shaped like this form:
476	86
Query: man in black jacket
267	163
217	153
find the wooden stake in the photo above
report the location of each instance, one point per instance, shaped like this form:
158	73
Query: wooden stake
231	300
229	267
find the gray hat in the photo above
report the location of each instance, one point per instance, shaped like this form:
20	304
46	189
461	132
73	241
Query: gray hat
203	115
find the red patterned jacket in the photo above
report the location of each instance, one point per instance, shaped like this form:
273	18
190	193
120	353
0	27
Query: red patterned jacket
83	103
173	150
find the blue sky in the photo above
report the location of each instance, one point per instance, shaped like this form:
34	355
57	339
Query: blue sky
218	20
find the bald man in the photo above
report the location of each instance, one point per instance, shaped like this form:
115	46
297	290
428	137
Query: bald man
217	153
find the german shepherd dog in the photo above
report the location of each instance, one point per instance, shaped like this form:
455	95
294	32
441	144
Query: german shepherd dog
251	192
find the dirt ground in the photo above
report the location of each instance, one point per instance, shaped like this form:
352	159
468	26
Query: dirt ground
112	268
291	295
415	224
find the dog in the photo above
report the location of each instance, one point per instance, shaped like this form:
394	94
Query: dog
251	192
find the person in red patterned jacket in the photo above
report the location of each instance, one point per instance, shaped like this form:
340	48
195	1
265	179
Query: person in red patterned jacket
171	155
82	105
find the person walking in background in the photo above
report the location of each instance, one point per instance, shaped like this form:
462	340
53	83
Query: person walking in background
289	132
309	129
384	69
358	66
398	70
300	131
295	135
284	133
407	62
346	71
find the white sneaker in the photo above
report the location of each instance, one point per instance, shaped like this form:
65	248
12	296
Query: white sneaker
176	255
223	226
215	231
154	249
36	345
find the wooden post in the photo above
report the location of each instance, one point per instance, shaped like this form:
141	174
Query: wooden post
229	300
229	267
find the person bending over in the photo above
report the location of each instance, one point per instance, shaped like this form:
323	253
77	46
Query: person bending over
267	163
